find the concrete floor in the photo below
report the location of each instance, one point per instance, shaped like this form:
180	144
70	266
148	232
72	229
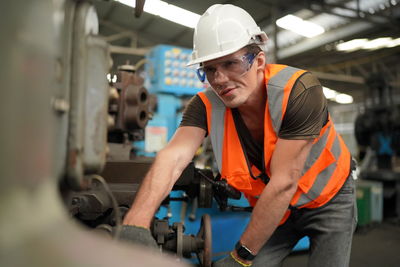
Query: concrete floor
377	245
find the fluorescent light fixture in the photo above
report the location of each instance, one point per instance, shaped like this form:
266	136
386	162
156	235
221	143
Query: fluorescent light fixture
344	12
337	97
394	43
329	93
384	42
167	11
344	99
351	45
377	43
300	26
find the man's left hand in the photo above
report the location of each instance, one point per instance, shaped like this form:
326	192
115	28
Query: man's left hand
230	261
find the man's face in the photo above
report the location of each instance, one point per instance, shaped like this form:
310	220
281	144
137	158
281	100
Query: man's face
233	77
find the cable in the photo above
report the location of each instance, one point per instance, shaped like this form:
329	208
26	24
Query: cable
114	203
207	178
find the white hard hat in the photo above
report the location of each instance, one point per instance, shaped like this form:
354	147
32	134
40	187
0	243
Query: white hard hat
222	30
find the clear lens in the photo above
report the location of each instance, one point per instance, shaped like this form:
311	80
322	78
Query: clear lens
234	66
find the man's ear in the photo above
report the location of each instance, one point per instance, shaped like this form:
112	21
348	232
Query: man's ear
261	61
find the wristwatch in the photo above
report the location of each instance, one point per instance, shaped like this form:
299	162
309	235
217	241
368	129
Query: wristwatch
244	252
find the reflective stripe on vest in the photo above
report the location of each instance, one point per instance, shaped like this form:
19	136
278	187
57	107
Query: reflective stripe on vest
275	94
321	177
217	125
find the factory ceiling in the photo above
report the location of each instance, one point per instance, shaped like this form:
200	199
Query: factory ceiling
343	20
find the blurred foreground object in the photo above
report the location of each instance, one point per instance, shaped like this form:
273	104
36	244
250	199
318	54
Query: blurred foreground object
41	86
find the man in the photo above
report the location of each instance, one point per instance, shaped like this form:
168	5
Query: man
273	140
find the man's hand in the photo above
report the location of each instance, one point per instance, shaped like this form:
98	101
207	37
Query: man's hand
137	235
230	261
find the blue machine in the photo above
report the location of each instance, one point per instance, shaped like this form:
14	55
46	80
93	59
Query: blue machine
167	71
168	77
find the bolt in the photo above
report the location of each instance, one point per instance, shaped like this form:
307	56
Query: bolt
113	94
110	122
60	105
75	201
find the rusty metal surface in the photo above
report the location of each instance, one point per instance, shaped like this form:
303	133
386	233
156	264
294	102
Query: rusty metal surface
139	8
88	124
205	233
133	103
124	193
133	171
127	171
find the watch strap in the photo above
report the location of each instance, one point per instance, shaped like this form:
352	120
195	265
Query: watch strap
243	252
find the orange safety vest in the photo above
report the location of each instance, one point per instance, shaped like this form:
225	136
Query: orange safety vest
327	165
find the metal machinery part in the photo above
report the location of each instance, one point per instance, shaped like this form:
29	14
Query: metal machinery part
88	118
172	238
133	102
139	8
377	131
123	179
205	193
129	109
94	208
205	233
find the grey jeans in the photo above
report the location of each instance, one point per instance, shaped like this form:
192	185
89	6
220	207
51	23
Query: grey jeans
330	229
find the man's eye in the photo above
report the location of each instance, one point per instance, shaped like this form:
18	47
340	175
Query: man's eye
209	70
230	63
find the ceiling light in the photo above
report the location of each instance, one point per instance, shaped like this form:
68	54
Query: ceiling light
351	45
384	42
344	99
167	11
377	43
329	93
337	97
394	43
300	26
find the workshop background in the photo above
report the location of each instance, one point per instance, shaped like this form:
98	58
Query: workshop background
92	90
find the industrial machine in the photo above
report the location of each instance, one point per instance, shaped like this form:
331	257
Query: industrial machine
377	131
103	206
172	83
105	197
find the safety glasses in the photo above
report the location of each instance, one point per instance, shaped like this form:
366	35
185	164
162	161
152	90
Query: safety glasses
233	66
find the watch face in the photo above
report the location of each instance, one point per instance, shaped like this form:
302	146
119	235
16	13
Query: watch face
244	252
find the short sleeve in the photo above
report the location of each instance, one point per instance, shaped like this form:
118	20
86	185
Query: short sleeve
307	110
195	114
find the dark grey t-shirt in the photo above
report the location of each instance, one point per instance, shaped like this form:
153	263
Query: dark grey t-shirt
306	114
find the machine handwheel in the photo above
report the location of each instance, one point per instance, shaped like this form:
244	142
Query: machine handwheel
204	233
179	240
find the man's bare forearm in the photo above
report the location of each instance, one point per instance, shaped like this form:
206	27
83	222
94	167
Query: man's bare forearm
155	187
266	215
277	194
166	169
